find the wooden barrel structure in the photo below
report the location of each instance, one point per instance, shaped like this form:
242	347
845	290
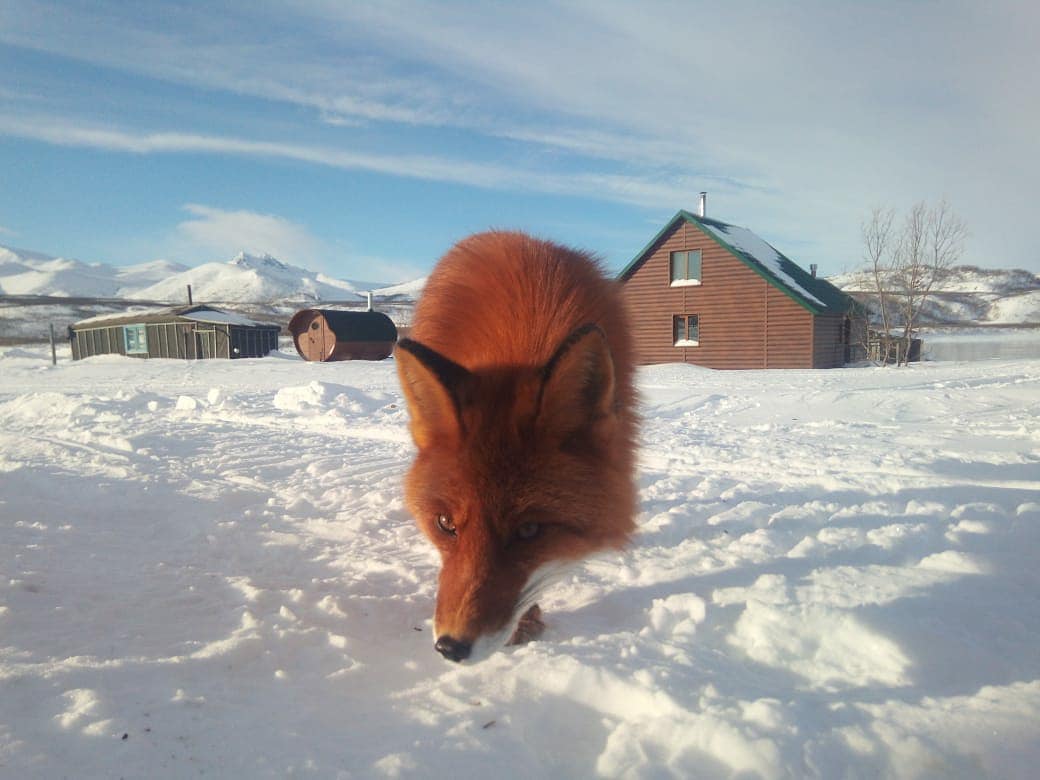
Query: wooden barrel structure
330	334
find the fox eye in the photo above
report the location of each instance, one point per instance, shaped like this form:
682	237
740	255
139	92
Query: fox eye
446	524
527	531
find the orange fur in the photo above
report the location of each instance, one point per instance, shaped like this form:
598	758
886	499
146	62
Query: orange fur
519	381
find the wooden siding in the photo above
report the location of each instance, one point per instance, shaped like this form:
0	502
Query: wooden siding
788	333
829	345
178	340
745	322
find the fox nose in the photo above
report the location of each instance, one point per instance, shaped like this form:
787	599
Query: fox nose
452	648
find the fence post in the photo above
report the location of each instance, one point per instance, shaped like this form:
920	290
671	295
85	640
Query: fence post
54	352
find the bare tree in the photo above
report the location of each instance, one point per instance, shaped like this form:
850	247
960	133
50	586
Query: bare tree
908	266
879	246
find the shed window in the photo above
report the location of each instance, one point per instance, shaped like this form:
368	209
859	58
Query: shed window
686	267
135	337
686	330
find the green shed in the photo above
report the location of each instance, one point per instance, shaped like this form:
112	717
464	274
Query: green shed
189	332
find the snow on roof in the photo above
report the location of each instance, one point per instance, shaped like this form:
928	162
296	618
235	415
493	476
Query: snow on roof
220	317
196	313
132	312
743	240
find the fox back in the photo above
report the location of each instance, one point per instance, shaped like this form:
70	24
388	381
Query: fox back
519	381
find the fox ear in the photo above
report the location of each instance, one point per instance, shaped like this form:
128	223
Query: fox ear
432	385
578	388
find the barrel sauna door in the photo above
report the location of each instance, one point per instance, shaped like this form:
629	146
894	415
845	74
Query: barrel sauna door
316	340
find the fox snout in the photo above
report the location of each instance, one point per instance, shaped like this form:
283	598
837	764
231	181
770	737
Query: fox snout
477	602
528	627
453	649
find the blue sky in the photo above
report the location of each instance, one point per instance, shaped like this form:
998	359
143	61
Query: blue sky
362	139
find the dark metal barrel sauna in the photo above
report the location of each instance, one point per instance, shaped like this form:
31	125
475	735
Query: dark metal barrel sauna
330	334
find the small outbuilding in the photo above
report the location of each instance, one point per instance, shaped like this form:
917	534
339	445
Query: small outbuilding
191	332
891	348
332	334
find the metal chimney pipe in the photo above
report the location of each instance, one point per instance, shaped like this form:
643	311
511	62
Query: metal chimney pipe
812	269
369	294
189	295
702	205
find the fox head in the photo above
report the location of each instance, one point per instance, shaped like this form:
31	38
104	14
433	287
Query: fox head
512	480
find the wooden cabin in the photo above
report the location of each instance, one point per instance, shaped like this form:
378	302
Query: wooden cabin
331	334
191	332
716	295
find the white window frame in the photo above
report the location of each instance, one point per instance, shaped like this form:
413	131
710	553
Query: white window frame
685	280
686	342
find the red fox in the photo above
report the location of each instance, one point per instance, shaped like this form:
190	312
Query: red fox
518	378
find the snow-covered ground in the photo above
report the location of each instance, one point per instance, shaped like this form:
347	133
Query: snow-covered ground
206	568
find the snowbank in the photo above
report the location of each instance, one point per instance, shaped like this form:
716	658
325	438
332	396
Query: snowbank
206	568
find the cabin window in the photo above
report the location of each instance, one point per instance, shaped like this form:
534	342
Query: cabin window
686	330
135	338
686	267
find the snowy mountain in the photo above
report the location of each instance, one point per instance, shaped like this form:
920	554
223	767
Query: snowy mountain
251	278
969	294
31	273
244	279
405	290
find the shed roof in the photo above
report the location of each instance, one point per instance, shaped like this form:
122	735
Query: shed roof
185	314
817	295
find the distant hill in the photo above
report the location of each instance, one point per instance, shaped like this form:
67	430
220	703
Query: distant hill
31	273
245	279
969	295
251	278
404	291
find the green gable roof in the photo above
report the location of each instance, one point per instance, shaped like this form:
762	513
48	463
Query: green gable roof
817	295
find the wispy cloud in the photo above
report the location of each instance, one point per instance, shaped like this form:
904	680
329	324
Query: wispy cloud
323	67
371	268
225	232
216	233
639	190
7	231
